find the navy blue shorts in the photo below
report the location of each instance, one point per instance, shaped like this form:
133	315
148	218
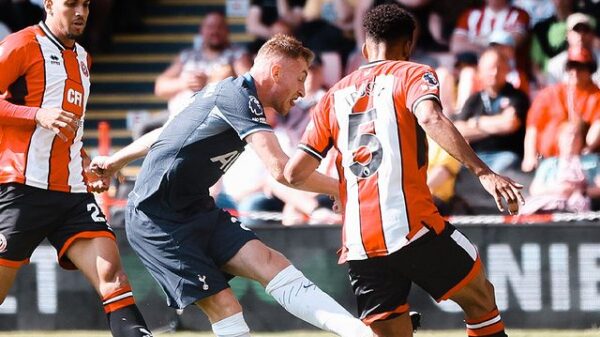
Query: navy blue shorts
185	257
28	215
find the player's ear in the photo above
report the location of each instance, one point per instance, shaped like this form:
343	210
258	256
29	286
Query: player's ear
365	52
276	72
408	48
48	7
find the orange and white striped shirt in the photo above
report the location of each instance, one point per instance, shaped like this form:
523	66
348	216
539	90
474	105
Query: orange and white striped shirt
37	71
382	155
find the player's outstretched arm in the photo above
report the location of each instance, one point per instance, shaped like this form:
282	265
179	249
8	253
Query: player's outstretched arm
439	128
267	147
106	166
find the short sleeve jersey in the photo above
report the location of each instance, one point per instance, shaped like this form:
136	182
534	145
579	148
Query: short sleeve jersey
197	147
36	70
382	155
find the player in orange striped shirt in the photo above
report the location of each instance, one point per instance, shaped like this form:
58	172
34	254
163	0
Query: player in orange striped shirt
377	119
45	190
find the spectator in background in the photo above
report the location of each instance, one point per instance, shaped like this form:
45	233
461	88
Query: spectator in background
567	182
591	8
492	120
537	10
578	98
269	17
505	43
214	60
580	34
549	36
327	30
474	27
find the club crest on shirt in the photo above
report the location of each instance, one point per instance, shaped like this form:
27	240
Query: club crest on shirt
430	82
257	110
84	69
255	106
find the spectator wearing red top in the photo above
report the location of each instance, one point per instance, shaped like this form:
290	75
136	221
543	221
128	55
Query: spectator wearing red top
580	33
475	25
577	98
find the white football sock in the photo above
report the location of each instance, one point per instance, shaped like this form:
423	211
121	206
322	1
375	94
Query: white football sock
232	326
303	299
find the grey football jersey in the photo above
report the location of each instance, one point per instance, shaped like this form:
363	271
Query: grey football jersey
197	147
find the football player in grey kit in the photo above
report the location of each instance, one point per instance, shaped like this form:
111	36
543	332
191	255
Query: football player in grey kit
191	247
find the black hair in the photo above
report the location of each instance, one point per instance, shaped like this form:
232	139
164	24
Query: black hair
389	23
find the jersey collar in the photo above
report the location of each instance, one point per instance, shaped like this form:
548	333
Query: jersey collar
249	80
372	64
53	37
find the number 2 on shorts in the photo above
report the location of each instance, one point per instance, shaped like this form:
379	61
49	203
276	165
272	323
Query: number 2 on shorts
91	207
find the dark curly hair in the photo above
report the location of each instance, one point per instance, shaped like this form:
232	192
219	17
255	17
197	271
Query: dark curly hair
389	23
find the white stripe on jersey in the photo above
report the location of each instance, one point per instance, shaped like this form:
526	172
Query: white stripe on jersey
391	195
76	165
38	156
352	234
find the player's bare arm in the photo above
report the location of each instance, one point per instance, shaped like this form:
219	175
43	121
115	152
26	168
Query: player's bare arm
106	166
431	118
267	147
61	122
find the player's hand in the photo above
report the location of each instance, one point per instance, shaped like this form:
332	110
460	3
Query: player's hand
104	166
64	124
503	188
100	185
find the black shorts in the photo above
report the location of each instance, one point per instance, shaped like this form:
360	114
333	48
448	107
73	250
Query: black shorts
440	264
185	257
29	214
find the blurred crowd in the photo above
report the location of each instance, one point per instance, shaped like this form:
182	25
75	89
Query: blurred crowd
519	79
108	17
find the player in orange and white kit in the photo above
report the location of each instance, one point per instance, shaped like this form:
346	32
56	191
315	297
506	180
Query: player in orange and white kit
377	119
45	191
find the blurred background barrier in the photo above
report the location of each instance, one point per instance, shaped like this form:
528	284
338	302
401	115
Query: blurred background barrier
546	276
